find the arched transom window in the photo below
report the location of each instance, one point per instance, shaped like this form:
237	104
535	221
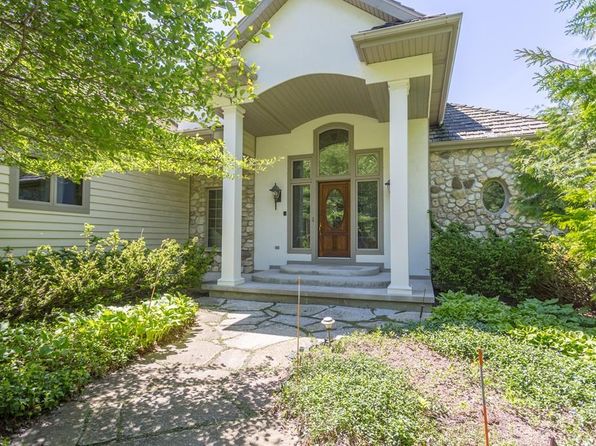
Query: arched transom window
334	152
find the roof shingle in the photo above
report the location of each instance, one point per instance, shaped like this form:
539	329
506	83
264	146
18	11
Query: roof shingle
464	122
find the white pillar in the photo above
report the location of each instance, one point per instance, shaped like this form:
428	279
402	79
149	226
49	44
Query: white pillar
398	202
231	245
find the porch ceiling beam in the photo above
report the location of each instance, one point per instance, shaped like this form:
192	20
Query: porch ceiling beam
407	68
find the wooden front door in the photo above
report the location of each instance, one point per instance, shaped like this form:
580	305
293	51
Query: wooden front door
334	219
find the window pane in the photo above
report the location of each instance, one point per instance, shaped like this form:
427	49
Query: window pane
368	215
214	218
34	187
301	217
301	169
494	196
69	192
367	165
334	152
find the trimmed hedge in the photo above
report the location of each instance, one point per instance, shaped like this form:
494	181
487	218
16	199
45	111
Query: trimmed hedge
43	363
103	271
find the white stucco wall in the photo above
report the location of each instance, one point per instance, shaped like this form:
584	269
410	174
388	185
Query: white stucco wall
271	227
314	36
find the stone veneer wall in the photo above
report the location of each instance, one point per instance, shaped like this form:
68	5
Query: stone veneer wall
199	196
456	181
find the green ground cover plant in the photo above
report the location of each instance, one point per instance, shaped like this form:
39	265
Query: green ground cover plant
106	271
343	398
42	363
520	266
544	324
529	376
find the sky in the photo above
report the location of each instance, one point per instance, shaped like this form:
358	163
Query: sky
486	71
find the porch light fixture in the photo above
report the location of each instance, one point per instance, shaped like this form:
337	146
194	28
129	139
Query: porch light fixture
276	191
328	323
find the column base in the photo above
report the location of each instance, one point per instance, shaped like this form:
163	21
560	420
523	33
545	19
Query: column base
233	282
399	290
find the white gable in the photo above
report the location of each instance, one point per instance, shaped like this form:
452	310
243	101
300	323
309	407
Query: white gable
309	36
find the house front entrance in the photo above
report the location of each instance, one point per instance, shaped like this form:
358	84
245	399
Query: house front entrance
334	219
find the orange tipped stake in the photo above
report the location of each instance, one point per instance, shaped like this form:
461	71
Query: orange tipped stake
484	413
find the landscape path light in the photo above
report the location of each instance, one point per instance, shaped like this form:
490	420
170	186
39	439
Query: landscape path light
328	323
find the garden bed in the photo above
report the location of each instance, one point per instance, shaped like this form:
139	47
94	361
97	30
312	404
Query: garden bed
539	370
45	363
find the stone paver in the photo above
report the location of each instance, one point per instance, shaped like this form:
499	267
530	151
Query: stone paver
213	387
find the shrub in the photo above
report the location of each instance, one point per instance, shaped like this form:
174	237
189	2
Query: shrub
103	271
43	363
354	399
519	266
543	324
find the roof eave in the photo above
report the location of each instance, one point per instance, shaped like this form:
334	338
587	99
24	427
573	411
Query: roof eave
450	22
479	143
269	8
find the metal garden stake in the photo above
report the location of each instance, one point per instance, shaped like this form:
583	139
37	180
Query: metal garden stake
484	413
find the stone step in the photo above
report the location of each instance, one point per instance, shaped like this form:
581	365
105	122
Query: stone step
330	270
380	280
422	297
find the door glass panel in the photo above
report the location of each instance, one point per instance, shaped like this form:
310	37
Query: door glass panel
368	215
335	208
367	165
334	152
301	217
301	169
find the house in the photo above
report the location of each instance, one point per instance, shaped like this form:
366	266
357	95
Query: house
352	95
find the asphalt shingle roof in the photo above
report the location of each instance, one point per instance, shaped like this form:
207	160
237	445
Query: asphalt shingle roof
464	122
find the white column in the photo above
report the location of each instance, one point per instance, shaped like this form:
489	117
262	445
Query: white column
398	202
231	245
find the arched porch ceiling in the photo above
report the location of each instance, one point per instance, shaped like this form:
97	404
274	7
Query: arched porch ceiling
281	109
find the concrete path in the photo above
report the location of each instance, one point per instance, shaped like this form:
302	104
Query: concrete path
214	387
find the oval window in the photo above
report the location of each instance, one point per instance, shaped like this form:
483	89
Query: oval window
494	196
335	208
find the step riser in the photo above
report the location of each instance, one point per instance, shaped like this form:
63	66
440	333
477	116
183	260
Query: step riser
305	300
325	270
338	283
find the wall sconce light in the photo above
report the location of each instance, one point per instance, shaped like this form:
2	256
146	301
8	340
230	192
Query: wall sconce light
276	191
388	184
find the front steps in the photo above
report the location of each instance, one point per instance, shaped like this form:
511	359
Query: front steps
324	278
349	285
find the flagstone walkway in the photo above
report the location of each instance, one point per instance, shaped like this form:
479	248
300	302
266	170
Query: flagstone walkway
213	387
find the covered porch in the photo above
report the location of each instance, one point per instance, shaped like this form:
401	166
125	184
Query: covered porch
350	187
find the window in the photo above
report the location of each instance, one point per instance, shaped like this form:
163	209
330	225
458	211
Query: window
214	218
301	216
494	196
49	193
367	164
368	199
368	215
301	169
334	153
299	224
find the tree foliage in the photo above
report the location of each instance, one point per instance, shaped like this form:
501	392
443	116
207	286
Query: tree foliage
96	85
557	171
